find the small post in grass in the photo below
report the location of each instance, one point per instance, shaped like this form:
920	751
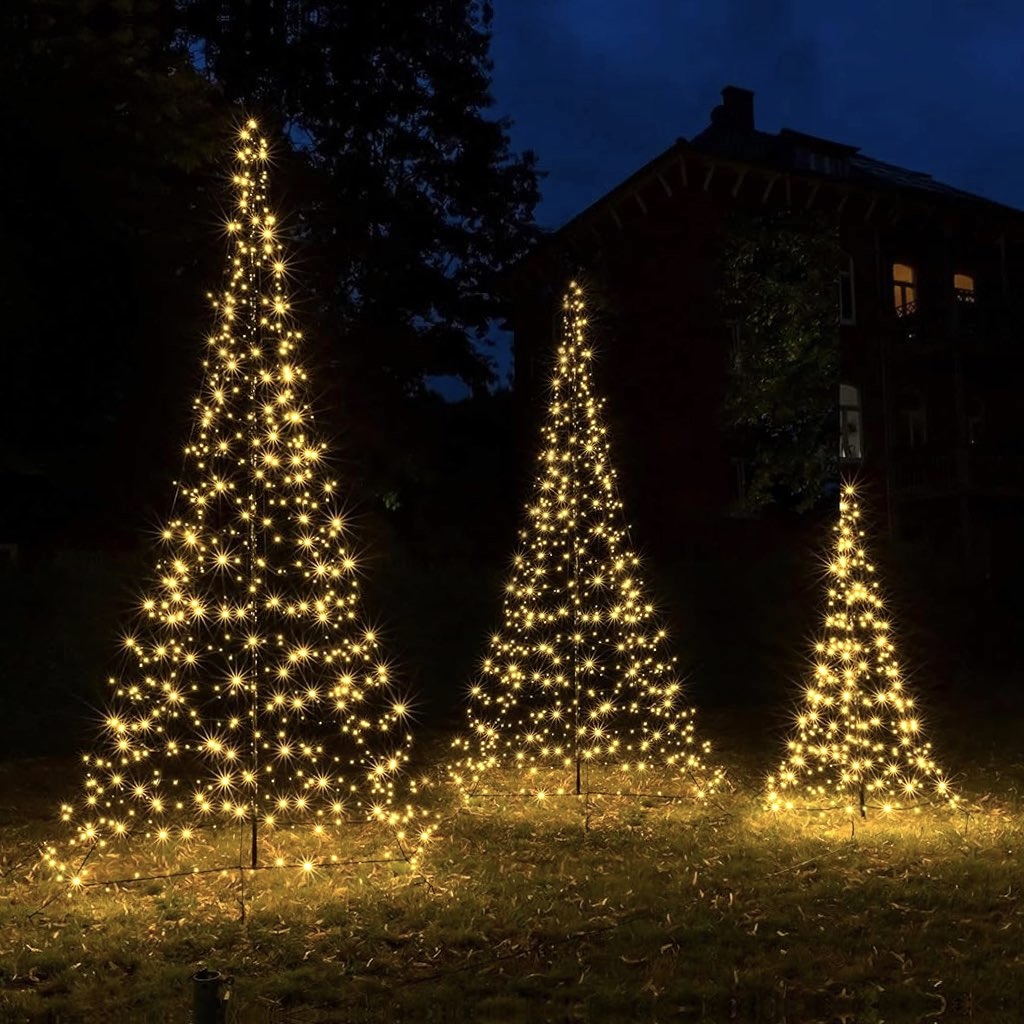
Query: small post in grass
210	994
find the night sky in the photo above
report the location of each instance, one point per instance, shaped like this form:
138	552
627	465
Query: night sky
599	87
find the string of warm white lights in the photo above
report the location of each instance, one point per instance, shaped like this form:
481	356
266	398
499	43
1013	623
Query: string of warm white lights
858	732
578	678
254	699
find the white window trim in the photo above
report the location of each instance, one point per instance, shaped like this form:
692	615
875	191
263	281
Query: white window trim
851	414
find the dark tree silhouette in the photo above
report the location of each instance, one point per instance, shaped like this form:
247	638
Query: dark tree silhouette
779	275
422	201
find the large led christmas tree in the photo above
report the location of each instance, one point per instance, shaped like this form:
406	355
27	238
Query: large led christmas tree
578	693
256	712
858	742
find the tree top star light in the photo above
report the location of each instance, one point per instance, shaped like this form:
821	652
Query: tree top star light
254	702
858	741
578	690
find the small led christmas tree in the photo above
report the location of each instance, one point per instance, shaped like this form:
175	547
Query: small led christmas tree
858	740
255	702
578	680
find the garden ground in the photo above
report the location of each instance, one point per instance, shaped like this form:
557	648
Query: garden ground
602	910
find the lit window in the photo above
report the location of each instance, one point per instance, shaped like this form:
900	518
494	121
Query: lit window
850	444
963	288
904	289
847	313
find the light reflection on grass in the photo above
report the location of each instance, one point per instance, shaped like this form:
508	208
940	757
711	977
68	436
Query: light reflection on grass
607	908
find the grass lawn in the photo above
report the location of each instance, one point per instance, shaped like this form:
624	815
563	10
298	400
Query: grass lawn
612	910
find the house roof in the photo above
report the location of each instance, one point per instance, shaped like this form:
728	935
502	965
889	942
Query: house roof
732	138
789	149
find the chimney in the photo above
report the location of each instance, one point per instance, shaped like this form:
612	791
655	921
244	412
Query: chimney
736	110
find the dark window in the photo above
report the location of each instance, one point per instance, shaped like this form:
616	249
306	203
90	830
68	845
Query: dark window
822	163
847	312
975	415
914	419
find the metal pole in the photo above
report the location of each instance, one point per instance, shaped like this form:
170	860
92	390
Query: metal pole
574	426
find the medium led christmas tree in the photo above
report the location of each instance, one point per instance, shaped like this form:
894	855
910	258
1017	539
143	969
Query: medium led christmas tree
579	690
858	741
255	703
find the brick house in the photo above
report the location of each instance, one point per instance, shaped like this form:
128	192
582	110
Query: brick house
929	336
931	364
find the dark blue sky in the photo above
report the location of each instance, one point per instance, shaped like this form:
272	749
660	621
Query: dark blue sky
599	87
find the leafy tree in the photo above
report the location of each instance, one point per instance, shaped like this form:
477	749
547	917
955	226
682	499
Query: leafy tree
420	202
778	287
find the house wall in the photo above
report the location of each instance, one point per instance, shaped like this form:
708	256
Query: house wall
952	499
665	358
